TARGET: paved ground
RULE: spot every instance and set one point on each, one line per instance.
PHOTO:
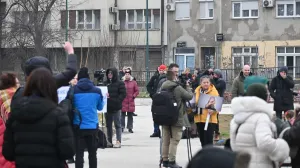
(138, 149)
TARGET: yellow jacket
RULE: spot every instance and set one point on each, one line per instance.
(202, 117)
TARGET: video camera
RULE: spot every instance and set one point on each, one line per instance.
(99, 75)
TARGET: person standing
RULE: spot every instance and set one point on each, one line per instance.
(128, 105)
(152, 88)
(220, 85)
(238, 83)
(116, 95)
(172, 135)
(281, 91)
(87, 100)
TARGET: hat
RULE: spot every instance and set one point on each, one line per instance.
(283, 69)
(258, 90)
(162, 67)
(128, 71)
(34, 63)
(218, 72)
(83, 73)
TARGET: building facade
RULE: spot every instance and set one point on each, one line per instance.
(104, 33)
(231, 33)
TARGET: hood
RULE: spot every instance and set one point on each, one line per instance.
(115, 74)
(34, 63)
(244, 107)
(241, 75)
(168, 84)
(282, 69)
(85, 84)
(31, 109)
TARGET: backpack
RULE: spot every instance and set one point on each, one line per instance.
(68, 105)
(164, 108)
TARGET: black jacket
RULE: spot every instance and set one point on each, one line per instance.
(220, 85)
(292, 137)
(152, 85)
(280, 91)
(38, 134)
(116, 91)
(62, 79)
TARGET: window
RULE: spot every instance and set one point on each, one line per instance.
(245, 56)
(23, 19)
(288, 8)
(206, 9)
(182, 9)
(245, 9)
(82, 19)
(136, 19)
(185, 58)
(290, 57)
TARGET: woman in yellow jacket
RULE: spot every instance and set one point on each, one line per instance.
(206, 136)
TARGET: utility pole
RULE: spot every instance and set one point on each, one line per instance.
(147, 43)
(67, 21)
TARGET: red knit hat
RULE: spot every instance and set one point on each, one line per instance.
(162, 67)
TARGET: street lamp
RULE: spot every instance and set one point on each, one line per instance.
(147, 43)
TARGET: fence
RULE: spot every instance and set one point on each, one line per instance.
(229, 74)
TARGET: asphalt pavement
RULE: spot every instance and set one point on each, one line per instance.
(138, 149)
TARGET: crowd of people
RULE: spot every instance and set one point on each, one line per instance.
(36, 130)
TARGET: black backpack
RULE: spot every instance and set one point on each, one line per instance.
(164, 108)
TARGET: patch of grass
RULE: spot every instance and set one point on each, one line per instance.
(224, 125)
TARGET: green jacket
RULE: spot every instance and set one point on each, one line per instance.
(238, 85)
(181, 96)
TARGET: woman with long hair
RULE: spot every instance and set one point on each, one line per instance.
(38, 132)
(8, 86)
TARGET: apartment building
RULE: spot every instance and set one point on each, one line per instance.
(105, 33)
(231, 33)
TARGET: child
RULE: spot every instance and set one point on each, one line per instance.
(290, 117)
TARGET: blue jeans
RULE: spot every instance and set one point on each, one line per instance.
(156, 128)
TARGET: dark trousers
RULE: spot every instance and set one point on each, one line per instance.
(156, 128)
(129, 120)
(89, 139)
(217, 131)
(206, 136)
(279, 114)
(113, 117)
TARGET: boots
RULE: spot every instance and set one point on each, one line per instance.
(165, 164)
(174, 165)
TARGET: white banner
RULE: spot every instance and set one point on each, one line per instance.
(62, 93)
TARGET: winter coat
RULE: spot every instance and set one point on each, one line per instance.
(204, 112)
(252, 131)
(292, 137)
(5, 99)
(220, 85)
(181, 96)
(116, 91)
(38, 134)
(152, 85)
(62, 79)
(132, 91)
(87, 100)
(238, 85)
(281, 91)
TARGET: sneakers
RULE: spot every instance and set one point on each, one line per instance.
(117, 145)
(130, 130)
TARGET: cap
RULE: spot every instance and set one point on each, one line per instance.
(162, 67)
